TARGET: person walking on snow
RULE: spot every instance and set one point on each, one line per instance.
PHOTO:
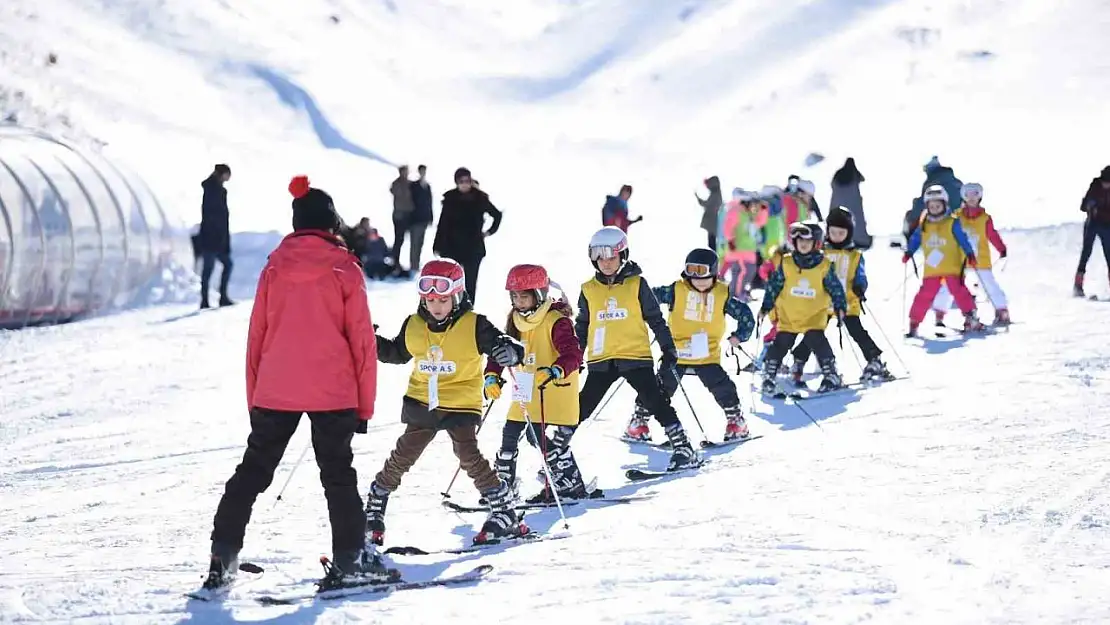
(711, 208)
(846, 193)
(214, 238)
(800, 292)
(615, 309)
(1096, 204)
(402, 215)
(848, 262)
(941, 237)
(310, 306)
(615, 211)
(979, 227)
(421, 215)
(461, 234)
(448, 340)
(545, 384)
(698, 305)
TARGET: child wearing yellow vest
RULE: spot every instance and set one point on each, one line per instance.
(699, 304)
(947, 249)
(545, 383)
(448, 340)
(979, 226)
(801, 291)
(615, 309)
(840, 249)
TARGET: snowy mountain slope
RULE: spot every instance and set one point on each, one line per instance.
(977, 491)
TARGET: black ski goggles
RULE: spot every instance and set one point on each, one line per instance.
(698, 270)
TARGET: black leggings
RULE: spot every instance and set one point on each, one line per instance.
(642, 379)
(866, 344)
(1090, 231)
(815, 339)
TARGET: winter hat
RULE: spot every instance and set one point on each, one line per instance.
(932, 164)
(1105, 177)
(461, 173)
(221, 168)
(312, 208)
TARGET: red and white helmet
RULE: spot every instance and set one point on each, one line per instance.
(971, 190)
(609, 242)
(529, 278)
(935, 192)
(442, 278)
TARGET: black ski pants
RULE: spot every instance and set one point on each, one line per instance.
(208, 266)
(1090, 231)
(854, 324)
(815, 339)
(642, 379)
(470, 268)
(271, 430)
(713, 376)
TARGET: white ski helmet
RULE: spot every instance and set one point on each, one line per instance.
(770, 191)
(608, 242)
(807, 186)
(971, 189)
(935, 192)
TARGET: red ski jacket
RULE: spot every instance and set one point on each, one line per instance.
(311, 344)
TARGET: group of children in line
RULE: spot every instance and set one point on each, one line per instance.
(819, 277)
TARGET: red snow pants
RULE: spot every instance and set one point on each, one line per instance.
(928, 292)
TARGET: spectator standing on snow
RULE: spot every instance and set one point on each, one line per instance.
(402, 215)
(846, 193)
(421, 215)
(1096, 203)
(461, 233)
(711, 209)
(615, 211)
(214, 238)
(310, 348)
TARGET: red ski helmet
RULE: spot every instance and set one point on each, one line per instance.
(529, 278)
(442, 278)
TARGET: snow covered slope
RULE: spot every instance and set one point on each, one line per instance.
(977, 491)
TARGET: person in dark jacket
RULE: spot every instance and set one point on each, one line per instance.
(846, 193)
(711, 209)
(214, 239)
(615, 210)
(421, 215)
(461, 234)
(1096, 204)
(401, 190)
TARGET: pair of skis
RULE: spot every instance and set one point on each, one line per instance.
(640, 475)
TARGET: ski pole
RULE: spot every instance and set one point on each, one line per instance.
(291, 472)
(887, 338)
(704, 438)
(905, 278)
(447, 493)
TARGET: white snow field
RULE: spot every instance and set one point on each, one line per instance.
(975, 491)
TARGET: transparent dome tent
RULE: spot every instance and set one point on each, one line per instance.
(78, 233)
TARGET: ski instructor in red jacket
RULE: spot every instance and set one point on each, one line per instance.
(311, 348)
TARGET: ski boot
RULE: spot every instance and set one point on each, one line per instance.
(376, 501)
(939, 318)
(638, 429)
(568, 478)
(796, 371)
(770, 377)
(1077, 288)
(972, 323)
(505, 465)
(831, 379)
(503, 522)
(735, 426)
(912, 334)
(1001, 318)
(222, 567)
(876, 370)
(683, 454)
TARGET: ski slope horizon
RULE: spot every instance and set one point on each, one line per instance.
(976, 491)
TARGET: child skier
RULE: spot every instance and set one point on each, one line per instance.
(800, 292)
(841, 251)
(447, 339)
(943, 239)
(979, 227)
(742, 232)
(615, 309)
(309, 306)
(546, 382)
(699, 304)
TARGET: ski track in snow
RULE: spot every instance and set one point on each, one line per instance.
(976, 491)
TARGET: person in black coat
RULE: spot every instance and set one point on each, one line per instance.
(461, 233)
(214, 239)
(421, 215)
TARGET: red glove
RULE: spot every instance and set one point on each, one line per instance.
(974, 264)
(906, 258)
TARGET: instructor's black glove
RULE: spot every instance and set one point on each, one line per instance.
(361, 429)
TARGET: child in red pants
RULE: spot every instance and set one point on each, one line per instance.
(942, 239)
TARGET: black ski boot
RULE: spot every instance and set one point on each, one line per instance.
(770, 377)
(568, 478)
(502, 522)
(376, 501)
(831, 380)
(222, 567)
(683, 454)
(876, 370)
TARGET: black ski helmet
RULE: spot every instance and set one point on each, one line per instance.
(700, 256)
(840, 217)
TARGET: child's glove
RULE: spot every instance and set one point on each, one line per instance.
(491, 388)
(971, 262)
(906, 258)
(554, 372)
(507, 352)
(859, 290)
(1002, 254)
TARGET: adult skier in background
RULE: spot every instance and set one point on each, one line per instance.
(310, 305)
(214, 239)
(935, 174)
(545, 384)
(846, 194)
(711, 208)
(448, 340)
(401, 189)
(698, 304)
(461, 234)
(615, 309)
(615, 211)
(1096, 204)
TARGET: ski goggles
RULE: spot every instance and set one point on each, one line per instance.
(439, 285)
(598, 252)
(698, 270)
